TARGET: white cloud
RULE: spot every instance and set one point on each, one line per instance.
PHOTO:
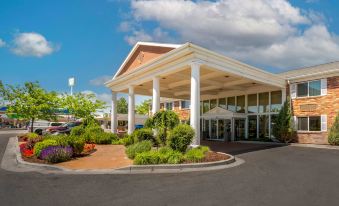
(264, 32)
(2, 43)
(100, 81)
(32, 44)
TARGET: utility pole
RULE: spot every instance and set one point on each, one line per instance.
(71, 83)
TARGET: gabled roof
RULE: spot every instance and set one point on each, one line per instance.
(220, 112)
(317, 70)
(136, 46)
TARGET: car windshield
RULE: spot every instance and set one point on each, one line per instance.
(56, 124)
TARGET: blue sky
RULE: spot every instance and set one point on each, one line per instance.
(89, 39)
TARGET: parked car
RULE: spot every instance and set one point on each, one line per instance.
(39, 126)
(62, 129)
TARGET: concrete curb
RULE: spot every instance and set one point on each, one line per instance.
(264, 143)
(317, 146)
(13, 150)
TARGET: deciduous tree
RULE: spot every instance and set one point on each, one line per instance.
(30, 101)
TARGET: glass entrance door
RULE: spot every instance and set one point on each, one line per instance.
(239, 129)
(224, 129)
(217, 129)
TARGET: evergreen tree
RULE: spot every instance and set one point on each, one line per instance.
(283, 128)
(333, 137)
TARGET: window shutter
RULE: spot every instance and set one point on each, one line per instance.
(324, 122)
(323, 87)
(295, 122)
(293, 91)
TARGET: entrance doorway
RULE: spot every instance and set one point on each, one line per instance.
(217, 129)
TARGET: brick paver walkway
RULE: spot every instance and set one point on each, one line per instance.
(106, 157)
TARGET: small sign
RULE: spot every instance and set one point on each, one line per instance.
(308, 107)
(71, 81)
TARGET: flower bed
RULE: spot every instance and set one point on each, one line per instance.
(59, 148)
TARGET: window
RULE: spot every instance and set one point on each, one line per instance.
(213, 103)
(169, 105)
(315, 88)
(276, 100)
(241, 104)
(206, 106)
(302, 89)
(315, 123)
(222, 103)
(311, 88)
(185, 104)
(231, 104)
(309, 123)
(303, 123)
(252, 103)
(263, 102)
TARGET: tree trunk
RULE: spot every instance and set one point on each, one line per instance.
(32, 124)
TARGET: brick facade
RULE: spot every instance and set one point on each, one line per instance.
(317, 106)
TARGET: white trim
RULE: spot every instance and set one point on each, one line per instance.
(168, 63)
(323, 123)
(323, 87)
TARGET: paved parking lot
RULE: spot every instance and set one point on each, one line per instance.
(270, 176)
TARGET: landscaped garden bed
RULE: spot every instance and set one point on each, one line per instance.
(51, 149)
(162, 141)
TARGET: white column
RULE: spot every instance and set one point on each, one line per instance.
(195, 101)
(283, 95)
(156, 95)
(114, 113)
(131, 108)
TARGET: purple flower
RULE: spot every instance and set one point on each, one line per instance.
(56, 154)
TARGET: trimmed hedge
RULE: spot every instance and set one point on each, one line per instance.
(181, 137)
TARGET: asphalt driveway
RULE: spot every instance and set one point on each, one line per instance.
(270, 176)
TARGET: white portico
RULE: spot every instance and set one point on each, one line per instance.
(186, 72)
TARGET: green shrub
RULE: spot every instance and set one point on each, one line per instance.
(180, 137)
(77, 143)
(196, 154)
(161, 136)
(167, 156)
(333, 136)
(38, 147)
(78, 130)
(147, 158)
(61, 139)
(139, 147)
(32, 135)
(91, 132)
(126, 140)
(103, 138)
(175, 158)
(144, 134)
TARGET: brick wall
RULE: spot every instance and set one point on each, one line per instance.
(328, 104)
